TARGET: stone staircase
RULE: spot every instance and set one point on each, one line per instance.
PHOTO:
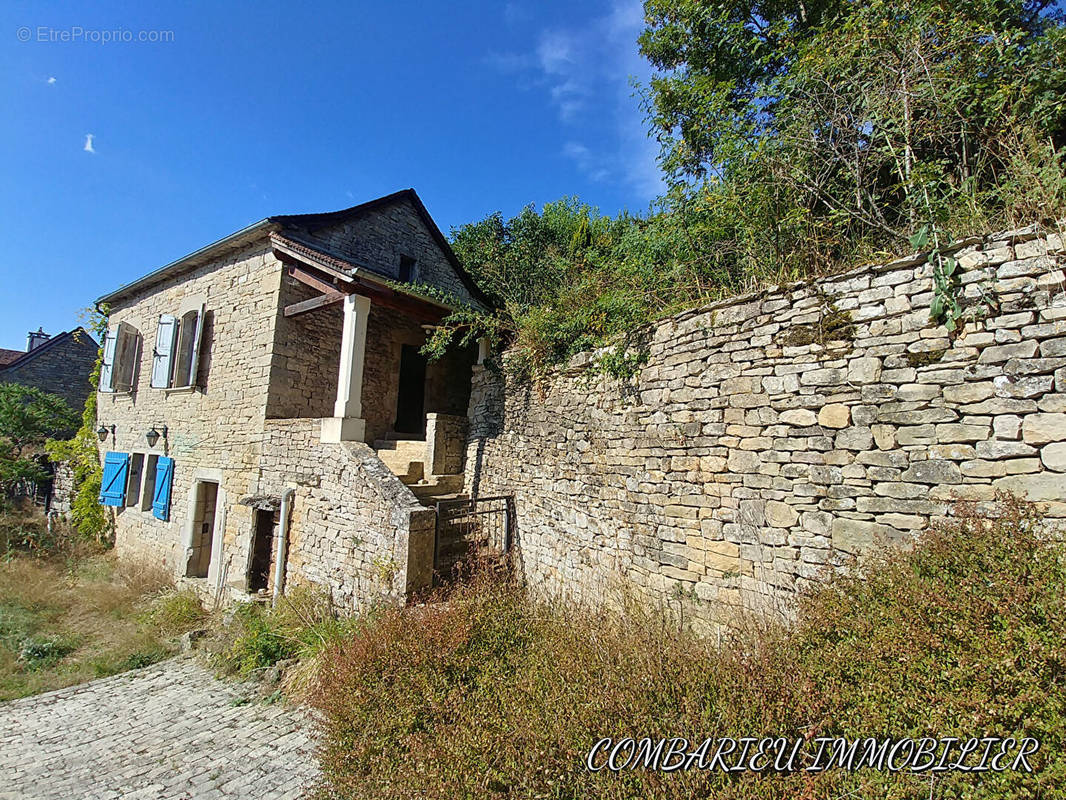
(407, 459)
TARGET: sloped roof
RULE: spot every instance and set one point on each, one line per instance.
(22, 357)
(306, 222)
(7, 356)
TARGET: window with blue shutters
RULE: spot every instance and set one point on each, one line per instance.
(116, 474)
(164, 480)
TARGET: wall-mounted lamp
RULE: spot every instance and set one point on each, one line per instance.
(153, 435)
(102, 432)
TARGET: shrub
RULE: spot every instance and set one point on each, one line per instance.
(93, 521)
(253, 637)
(44, 651)
(173, 612)
(491, 694)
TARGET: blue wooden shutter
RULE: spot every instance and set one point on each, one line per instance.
(113, 485)
(164, 478)
(163, 354)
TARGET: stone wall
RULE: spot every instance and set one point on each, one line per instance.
(214, 432)
(445, 442)
(777, 434)
(306, 359)
(356, 530)
(62, 499)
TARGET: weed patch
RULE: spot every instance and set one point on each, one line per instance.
(489, 693)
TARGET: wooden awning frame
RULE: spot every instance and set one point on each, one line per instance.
(334, 286)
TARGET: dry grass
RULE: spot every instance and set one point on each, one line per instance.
(494, 695)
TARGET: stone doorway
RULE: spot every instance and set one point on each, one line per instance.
(262, 550)
(411, 396)
(203, 531)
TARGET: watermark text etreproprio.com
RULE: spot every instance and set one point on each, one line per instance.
(76, 33)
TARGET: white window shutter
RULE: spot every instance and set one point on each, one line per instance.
(126, 353)
(163, 354)
(197, 343)
(107, 363)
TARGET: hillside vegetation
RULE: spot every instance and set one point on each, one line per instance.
(69, 612)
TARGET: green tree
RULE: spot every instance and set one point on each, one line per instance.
(796, 138)
(28, 418)
(847, 122)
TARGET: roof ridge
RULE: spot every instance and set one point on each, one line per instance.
(308, 221)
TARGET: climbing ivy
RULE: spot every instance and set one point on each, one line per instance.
(90, 519)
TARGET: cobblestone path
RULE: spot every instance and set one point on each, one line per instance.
(168, 731)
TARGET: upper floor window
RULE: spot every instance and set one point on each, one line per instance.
(122, 348)
(407, 269)
(176, 356)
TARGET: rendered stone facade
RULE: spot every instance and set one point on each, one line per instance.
(751, 452)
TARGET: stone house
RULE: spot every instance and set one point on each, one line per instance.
(59, 364)
(267, 415)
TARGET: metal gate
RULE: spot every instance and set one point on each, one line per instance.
(465, 527)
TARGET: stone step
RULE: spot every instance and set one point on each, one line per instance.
(401, 446)
(392, 436)
(405, 457)
(441, 485)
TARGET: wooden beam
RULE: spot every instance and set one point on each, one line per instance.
(405, 304)
(316, 282)
(305, 306)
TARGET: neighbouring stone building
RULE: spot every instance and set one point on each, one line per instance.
(771, 436)
(266, 414)
(59, 364)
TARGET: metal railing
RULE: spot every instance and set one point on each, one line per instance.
(465, 526)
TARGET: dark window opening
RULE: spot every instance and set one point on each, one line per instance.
(407, 269)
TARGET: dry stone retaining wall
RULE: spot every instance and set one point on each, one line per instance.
(774, 435)
(356, 530)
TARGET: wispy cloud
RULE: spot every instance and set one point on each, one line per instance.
(88, 148)
(591, 164)
(586, 74)
(51, 81)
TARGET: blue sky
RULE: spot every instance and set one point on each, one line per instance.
(240, 111)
